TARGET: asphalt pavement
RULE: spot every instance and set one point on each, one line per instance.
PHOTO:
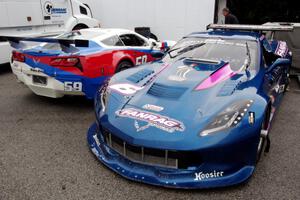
(44, 154)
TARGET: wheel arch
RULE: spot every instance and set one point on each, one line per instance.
(125, 59)
(80, 26)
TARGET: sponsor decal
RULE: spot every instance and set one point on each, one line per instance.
(50, 9)
(181, 74)
(279, 89)
(125, 89)
(262, 37)
(161, 122)
(281, 49)
(202, 176)
(36, 61)
(38, 70)
(153, 108)
(59, 10)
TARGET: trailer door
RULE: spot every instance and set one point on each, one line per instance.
(3, 15)
(20, 13)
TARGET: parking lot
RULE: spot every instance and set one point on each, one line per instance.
(44, 153)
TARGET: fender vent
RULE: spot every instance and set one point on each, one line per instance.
(164, 91)
(140, 75)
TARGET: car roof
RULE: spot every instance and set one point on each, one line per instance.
(106, 32)
(240, 35)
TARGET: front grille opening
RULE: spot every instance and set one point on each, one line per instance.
(154, 157)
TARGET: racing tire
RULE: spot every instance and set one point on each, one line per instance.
(123, 65)
(263, 138)
(288, 81)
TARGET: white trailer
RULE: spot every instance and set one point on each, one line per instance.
(168, 19)
(40, 18)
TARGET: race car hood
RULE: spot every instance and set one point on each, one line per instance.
(169, 106)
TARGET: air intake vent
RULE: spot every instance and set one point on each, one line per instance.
(164, 91)
(229, 88)
(154, 157)
(140, 75)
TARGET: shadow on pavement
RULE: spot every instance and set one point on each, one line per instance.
(73, 102)
(5, 68)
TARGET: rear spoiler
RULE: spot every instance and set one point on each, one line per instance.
(259, 28)
(66, 44)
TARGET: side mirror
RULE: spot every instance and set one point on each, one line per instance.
(279, 62)
(157, 54)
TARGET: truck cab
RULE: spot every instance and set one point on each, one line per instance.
(41, 18)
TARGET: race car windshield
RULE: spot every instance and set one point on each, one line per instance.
(233, 51)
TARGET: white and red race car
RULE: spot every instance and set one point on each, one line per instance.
(77, 63)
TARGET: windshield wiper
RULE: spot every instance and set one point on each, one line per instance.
(190, 48)
(202, 60)
(248, 59)
(185, 50)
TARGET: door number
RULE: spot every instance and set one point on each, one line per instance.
(141, 60)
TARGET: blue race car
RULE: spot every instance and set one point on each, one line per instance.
(200, 117)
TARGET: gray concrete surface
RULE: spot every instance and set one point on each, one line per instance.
(44, 154)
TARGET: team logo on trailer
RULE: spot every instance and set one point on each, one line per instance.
(48, 7)
(161, 122)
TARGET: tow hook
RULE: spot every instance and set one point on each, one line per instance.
(265, 134)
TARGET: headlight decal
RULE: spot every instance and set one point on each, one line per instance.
(101, 98)
(251, 118)
(229, 118)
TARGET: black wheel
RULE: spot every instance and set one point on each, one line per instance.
(263, 136)
(260, 148)
(79, 27)
(286, 87)
(123, 65)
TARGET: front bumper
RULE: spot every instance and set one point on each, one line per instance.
(205, 176)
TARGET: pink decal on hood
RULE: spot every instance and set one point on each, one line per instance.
(222, 74)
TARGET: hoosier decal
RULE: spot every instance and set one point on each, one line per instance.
(201, 176)
(158, 121)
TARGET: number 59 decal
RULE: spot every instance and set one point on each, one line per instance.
(73, 86)
(141, 60)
